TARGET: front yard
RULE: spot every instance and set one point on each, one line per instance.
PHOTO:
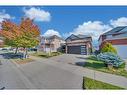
(46, 55)
(23, 61)
(93, 63)
(94, 84)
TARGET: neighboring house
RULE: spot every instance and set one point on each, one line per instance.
(118, 38)
(51, 44)
(1, 42)
(79, 44)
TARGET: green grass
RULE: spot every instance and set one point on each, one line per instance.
(46, 55)
(93, 63)
(23, 61)
(94, 84)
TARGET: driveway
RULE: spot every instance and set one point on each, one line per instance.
(67, 63)
(70, 58)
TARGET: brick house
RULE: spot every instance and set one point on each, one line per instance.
(79, 44)
(118, 38)
(51, 44)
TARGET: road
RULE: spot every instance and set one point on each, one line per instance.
(37, 75)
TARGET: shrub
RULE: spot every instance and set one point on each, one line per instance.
(55, 53)
(96, 52)
(107, 47)
(111, 58)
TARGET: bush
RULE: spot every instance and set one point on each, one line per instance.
(111, 58)
(55, 53)
(96, 52)
(107, 47)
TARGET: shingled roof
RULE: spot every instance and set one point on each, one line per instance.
(76, 37)
(52, 37)
(120, 29)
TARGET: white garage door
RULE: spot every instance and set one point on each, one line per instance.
(121, 50)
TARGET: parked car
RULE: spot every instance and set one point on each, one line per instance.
(4, 49)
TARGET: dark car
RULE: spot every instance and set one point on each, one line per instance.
(4, 49)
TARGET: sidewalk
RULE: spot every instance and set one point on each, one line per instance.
(101, 76)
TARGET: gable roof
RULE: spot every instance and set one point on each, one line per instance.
(117, 30)
(76, 37)
(120, 29)
(52, 37)
(55, 36)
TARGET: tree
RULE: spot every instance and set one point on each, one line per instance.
(107, 47)
(24, 35)
(10, 31)
(30, 34)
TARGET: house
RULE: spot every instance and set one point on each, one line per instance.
(51, 44)
(118, 38)
(79, 44)
(1, 42)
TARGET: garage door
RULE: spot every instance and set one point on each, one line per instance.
(121, 50)
(77, 50)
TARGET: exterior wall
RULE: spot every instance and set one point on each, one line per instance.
(121, 50)
(124, 35)
(1, 43)
(101, 39)
(115, 42)
(118, 41)
(109, 37)
(78, 41)
(113, 37)
(49, 48)
(52, 45)
(57, 44)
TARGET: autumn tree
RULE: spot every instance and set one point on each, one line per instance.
(24, 35)
(107, 47)
(30, 34)
(10, 31)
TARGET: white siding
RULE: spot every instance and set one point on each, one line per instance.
(109, 37)
(121, 50)
(121, 36)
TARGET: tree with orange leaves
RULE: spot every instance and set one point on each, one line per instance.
(23, 35)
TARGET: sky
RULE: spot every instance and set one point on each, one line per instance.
(66, 20)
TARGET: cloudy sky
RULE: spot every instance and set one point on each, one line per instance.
(66, 20)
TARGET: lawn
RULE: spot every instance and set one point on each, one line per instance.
(94, 84)
(23, 61)
(46, 55)
(93, 63)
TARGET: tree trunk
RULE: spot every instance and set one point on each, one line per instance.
(26, 53)
(16, 50)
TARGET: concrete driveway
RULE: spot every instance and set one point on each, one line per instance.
(70, 59)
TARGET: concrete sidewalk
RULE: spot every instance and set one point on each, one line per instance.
(81, 71)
